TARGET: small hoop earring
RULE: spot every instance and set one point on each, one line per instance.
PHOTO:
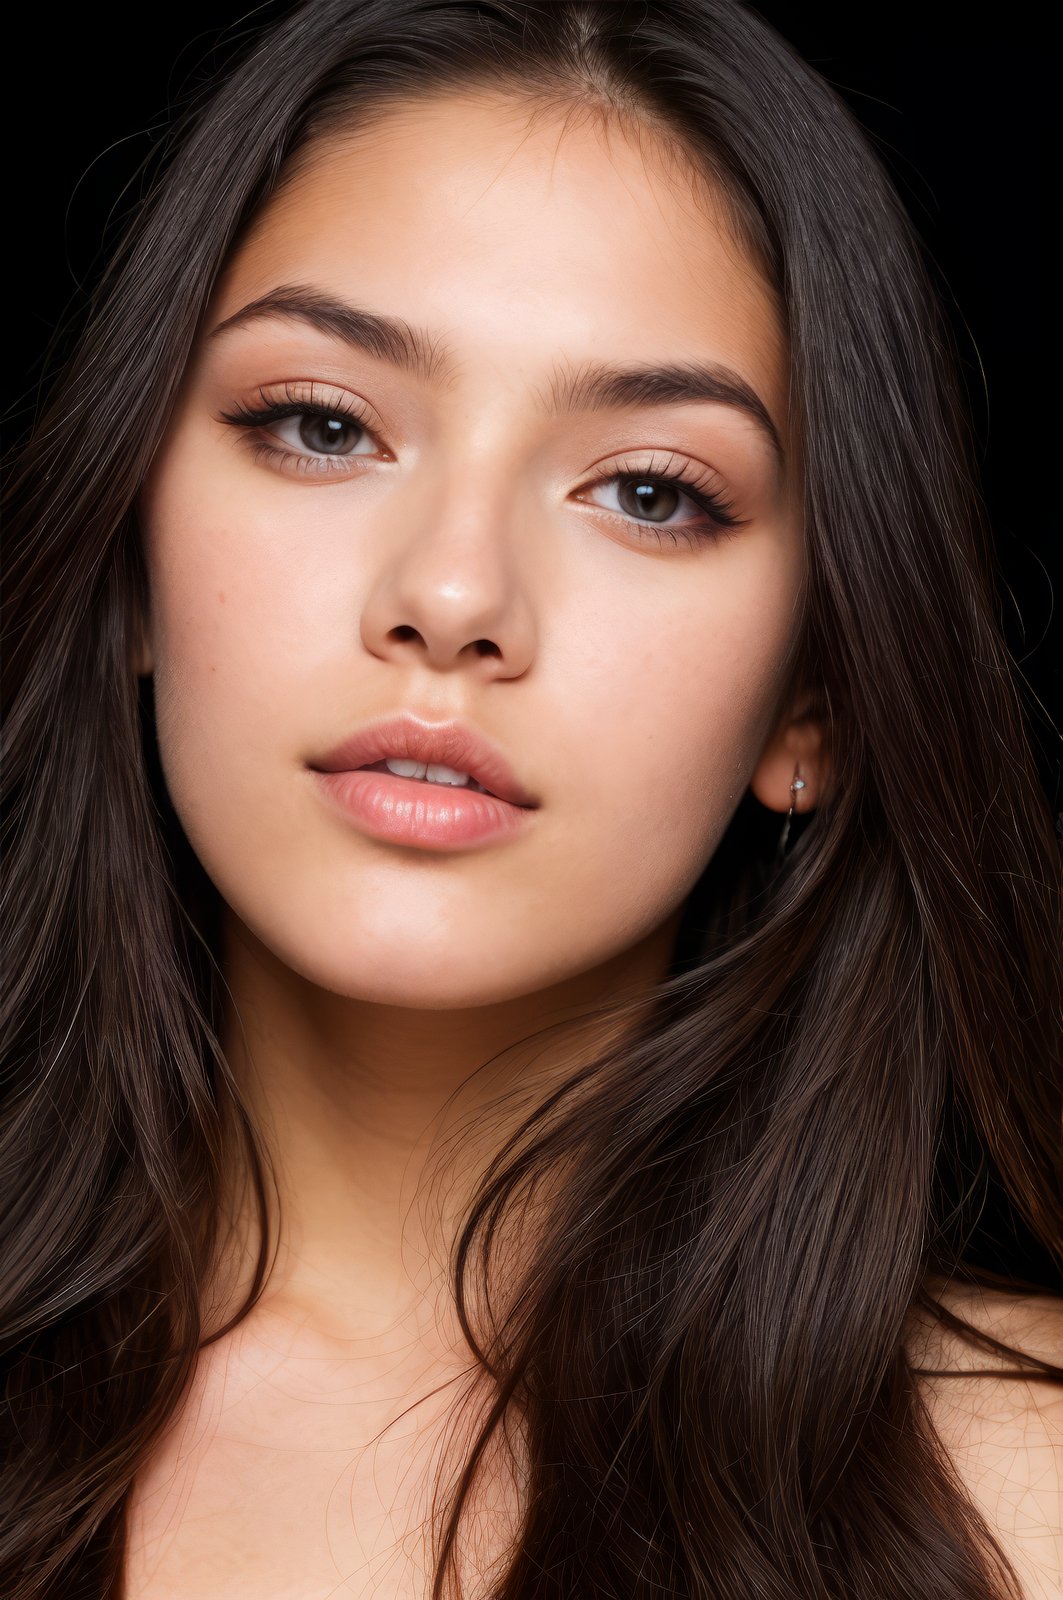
(796, 785)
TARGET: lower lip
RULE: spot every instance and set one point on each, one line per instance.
(427, 815)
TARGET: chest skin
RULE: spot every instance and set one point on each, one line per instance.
(299, 1478)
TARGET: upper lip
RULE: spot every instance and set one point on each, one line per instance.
(451, 744)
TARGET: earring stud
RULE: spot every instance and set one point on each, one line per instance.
(797, 783)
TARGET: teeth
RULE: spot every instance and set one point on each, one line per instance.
(434, 771)
(405, 769)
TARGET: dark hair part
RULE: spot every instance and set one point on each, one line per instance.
(754, 1184)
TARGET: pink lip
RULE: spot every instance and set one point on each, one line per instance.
(406, 811)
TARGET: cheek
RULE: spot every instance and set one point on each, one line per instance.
(231, 629)
(678, 687)
(237, 597)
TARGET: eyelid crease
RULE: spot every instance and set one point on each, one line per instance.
(347, 405)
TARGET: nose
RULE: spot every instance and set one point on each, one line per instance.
(453, 591)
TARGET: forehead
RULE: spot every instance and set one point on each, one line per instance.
(515, 238)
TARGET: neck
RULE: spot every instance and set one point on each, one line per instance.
(380, 1120)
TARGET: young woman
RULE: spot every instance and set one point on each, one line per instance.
(563, 1190)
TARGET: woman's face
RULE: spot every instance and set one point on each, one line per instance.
(455, 542)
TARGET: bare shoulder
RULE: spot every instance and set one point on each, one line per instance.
(1003, 1434)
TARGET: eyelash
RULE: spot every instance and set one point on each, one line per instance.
(719, 522)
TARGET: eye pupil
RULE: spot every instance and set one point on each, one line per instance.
(324, 433)
(645, 495)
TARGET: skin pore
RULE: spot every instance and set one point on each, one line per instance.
(636, 674)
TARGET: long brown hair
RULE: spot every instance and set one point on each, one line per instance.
(754, 1184)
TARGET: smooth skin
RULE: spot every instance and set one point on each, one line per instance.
(636, 674)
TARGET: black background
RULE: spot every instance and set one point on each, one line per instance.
(960, 110)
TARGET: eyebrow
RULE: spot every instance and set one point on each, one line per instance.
(590, 387)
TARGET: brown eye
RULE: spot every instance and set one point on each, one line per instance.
(649, 500)
(654, 500)
(309, 435)
(324, 433)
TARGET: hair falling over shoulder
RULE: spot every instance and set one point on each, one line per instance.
(706, 1349)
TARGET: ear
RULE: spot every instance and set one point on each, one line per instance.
(797, 747)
